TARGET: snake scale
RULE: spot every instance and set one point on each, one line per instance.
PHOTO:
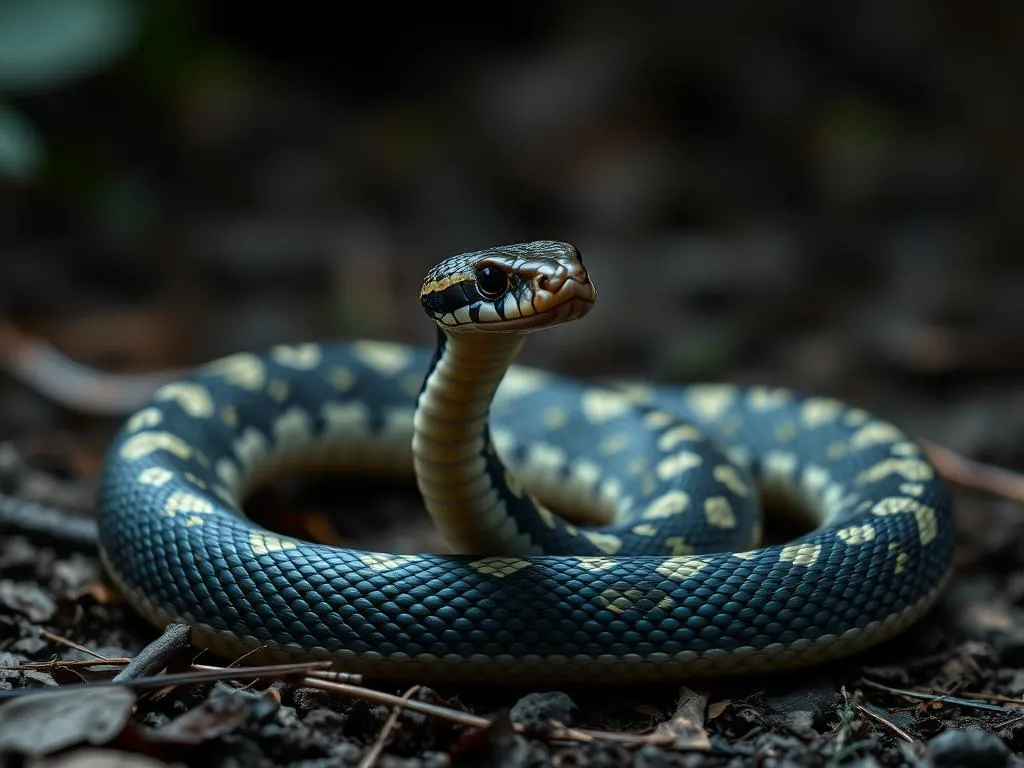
(649, 570)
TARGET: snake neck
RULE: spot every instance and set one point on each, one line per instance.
(460, 478)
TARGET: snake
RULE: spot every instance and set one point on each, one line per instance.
(597, 531)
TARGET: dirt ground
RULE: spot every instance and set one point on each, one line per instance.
(774, 193)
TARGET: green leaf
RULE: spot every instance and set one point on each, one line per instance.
(48, 43)
(21, 151)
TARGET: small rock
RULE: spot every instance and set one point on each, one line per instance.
(535, 711)
(979, 749)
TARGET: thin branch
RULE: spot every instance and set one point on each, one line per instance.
(72, 644)
(887, 723)
(373, 753)
(975, 475)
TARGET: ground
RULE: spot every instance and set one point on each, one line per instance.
(784, 196)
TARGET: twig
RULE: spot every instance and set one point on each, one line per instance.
(975, 475)
(72, 644)
(373, 753)
(42, 367)
(887, 723)
(934, 697)
(188, 678)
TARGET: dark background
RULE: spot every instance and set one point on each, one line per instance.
(817, 195)
(828, 196)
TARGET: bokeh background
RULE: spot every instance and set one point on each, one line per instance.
(828, 196)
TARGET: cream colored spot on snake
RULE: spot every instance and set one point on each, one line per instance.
(800, 554)
(905, 448)
(545, 458)
(144, 443)
(677, 464)
(277, 390)
(227, 472)
(384, 357)
(385, 561)
(155, 476)
(924, 516)
(503, 440)
(193, 520)
(611, 489)
(585, 474)
(739, 454)
(612, 444)
(786, 431)
(522, 381)
(555, 418)
(605, 542)
(875, 433)
(681, 433)
(250, 447)
(229, 415)
(681, 568)
(912, 489)
(655, 420)
(751, 555)
(293, 429)
(342, 378)
(644, 529)
(499, 567)
(196, 481)
(767, 398)
(902, 558)
(513, 484)
(619, 602)
(672, 503)
(144, 419)
(594, 563)
(718, 512)
(730, 478)
(857, 534)
(818, 411)
(636, 392)
(855, 417)
(301, 357)
(600, 405)
(815, 479)
(710, 401)
(345, 419)
(243, 370)
(780, 464)
(677, 545)
(914, 470)
(183, 502)
(263, 542)
(546, 516)
(194, 399)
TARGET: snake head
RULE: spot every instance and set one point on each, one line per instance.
(509, 289)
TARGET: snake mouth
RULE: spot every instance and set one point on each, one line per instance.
(545, 304)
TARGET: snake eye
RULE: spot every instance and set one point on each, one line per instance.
(491, 282)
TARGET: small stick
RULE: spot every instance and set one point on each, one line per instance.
(373, 753)
(975, 475)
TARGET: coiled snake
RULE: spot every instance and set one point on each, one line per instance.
(654, 573)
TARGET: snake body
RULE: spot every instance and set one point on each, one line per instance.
(653, 574)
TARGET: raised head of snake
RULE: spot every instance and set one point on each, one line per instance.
(484, 303)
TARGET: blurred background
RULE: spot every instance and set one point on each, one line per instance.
(828, 196)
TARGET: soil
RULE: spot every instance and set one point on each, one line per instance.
(827, 200)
